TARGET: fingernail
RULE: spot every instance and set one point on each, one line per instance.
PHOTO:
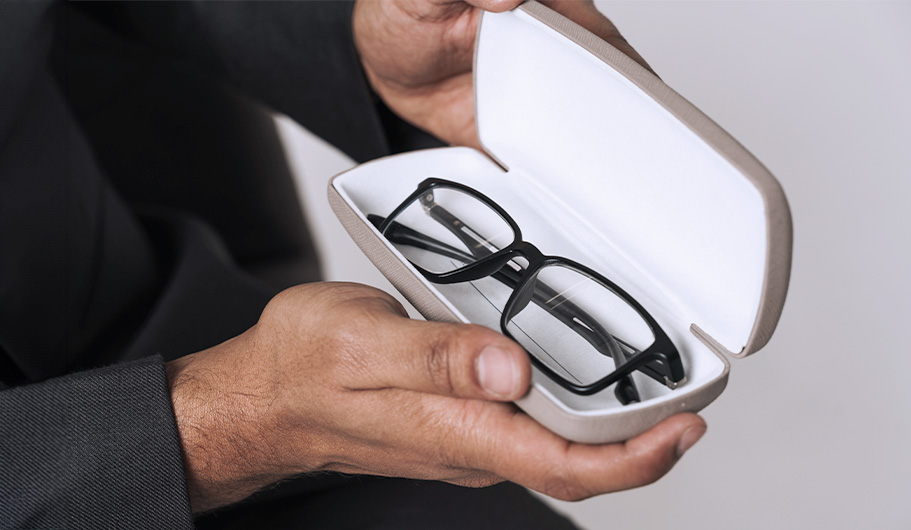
(497, 372)
(689, 439)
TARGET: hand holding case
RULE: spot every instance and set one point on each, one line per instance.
(599, 161)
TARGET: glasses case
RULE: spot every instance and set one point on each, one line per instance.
(599, 161)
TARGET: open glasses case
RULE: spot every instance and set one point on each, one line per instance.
(597, 160)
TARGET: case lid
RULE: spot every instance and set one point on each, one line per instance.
(633, 159)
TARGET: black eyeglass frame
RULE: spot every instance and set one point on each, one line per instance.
(661, 360)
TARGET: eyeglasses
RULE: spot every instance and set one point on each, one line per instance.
(455, 235)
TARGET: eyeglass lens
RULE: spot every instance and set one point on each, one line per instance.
(563, 297)
(446, 229)
(464, 230)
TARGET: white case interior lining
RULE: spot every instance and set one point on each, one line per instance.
(542, 221)
(583, 135)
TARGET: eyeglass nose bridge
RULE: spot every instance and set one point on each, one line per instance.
(529, 252)
(493, 263)
(524, 290)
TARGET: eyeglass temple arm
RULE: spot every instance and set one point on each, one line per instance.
(404, 235)
(477, 244)
(636, 362)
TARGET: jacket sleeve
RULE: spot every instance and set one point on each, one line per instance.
(73, 447)
(107, 437)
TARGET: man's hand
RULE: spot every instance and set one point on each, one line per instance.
(336, 377)
(418, 56)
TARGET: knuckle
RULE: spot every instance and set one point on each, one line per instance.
(344, 341)
(444, 361)
(372, 298)
(439, 367)
(459, 443)
(450, 362)
(346, 348)
(564, 489)
(566, 483)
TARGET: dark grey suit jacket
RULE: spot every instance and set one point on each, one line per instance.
(146, 213)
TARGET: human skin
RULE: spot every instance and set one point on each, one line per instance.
(336, 377)
(418, 56)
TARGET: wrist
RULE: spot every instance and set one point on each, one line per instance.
(222, 434)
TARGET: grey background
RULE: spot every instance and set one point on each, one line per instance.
(814, 431)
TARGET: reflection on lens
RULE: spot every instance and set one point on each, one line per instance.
(567, 321)
(446, 229)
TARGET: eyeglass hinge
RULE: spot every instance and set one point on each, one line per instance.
(673, 384)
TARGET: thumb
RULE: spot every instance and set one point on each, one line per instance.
(458, 360)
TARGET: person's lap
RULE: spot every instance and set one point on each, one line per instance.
(334, 501)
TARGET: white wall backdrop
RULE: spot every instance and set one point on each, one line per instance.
(815, 430)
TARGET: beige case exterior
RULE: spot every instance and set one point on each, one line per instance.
(609, 425)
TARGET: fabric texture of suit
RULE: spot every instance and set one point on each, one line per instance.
(146, 213)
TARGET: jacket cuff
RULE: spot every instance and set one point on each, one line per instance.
(93, 449)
